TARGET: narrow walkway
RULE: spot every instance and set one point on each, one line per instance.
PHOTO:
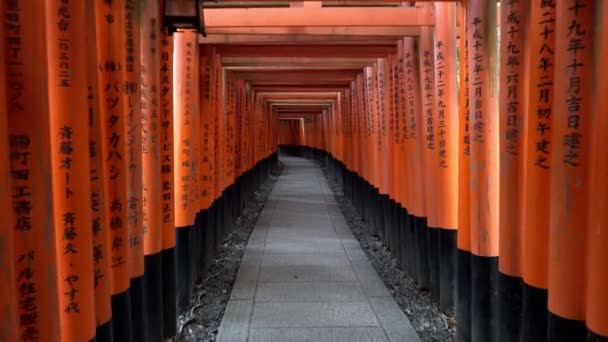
(304, 276)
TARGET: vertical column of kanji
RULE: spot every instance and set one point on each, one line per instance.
(230, 147)
(513, 102)
(537, 171)
(184, 44)
(151, 169)
(67, 91)
(416, 146)
(205, 185)
(371, 146)
(220, 85)
(383, 150)
(570, 166)
(167, 193)
(392, 129)
(389, 149)
(430, 155)
(483, 97)
(402, 176)
(8, 289)
(30, 168)
(597, 237)
(192, 81)
(446, 134)
(463, 295)
(132, 107)
(102, 272)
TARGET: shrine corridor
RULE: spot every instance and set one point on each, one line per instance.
(304, 276)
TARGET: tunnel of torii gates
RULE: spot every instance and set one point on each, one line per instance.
(471, 134)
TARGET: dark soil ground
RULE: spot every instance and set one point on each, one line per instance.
(211, 295)
(422, 310)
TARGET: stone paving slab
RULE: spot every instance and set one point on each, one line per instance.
(316, 314)
(330, 334)
(304, 276)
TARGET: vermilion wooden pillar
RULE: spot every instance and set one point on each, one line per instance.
(8, 302)
(463, 296)
(429, 141)
(30, 167)
(483, 105)
(570, 166)
(167, 185)
(67, 93)
(184, 75)
(102, 271)
(537, 170)
(445, 128)
(513, 104)
(597, 237)
(109, 43)
(151, 169)
(132, 96)
(415, 162)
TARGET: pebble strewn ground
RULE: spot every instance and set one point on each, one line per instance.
(422, 310)
(211, 295)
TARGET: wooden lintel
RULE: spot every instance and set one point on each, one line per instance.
(316, 16)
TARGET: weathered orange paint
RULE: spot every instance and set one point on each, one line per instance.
(184, 76)
(571, 159)
(30, 166)
(109, 49)
(151, 129)
(513, 104)
(483, 101)
(464, 141)
(597, 237)
(67, 92)
(446, 121)
(102, 271)
(166, 141)
(8, 301)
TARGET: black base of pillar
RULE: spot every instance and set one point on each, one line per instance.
(104, 332)
(138, 309)
(484, 279)
(169, 293)
(448, 255)
(463, 297)
(121, 316)
(561, 329)
(534, 314)
(183, 268)
(153, 294)
(509, 300)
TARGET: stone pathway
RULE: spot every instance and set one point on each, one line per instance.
(304, 276)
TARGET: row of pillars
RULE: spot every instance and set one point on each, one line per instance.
(493, 140)
(115, 139)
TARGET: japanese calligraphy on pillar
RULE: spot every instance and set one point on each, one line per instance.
(109, 57)
(29, 167)
(512, 62)
(440, 79)
(101, 248)
(8, 284)
(166, 139)
(577, 37)
(427, 92)
(150, 130)
(477, 67)
(543, 85)
(411, 93)
(131, 90)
